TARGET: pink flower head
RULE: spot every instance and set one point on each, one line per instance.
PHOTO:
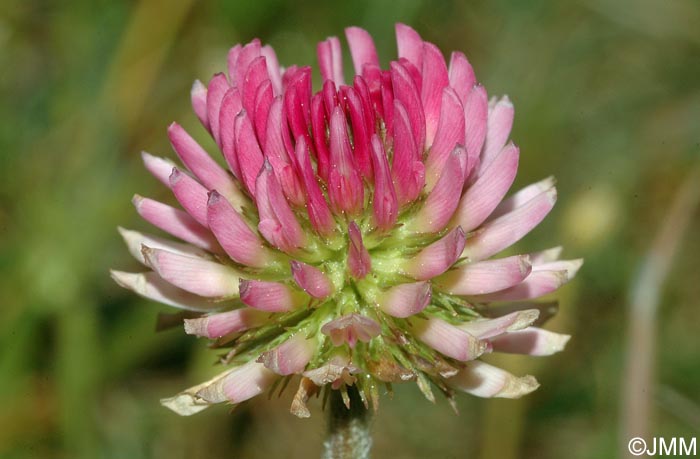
(349, 238)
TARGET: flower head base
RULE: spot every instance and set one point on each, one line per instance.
(349, 240)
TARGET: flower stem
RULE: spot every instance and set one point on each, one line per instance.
(348, 429)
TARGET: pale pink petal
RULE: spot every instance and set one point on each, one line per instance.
(337, 368)
(200, 276)
(385, 206)
(362, 48)
(489, 328)
(438, 208)
(198, 96)
(570, 267)
(437, 257)
(448, 339)
(484, 195)
(186, 403)
(190, 194)
(311, 279)
(290, 357)
(522, 196)
(435, 80)
(484, 380)
(239, 385)
(359, 261)
(450, 133)
(270, 296)
(476, 109)
(135, 240)
(216, 90)
(410, 44)
(175, 222)
(232, 60)
(485, 276)
(500, 122)
(217, 325)
(530, 341)
(545, 256)
(537, 284)
(351, 328)
(508, 229)
(461, 73)
(405, 300)
(239, 241)
(151, 286)
(160, 168)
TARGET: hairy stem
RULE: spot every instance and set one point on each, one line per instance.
(348, 429)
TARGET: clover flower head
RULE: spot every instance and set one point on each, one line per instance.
(348, 240)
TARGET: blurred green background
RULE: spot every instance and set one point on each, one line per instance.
(607, 97)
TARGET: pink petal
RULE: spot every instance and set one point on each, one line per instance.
(450, 133)
(160, 168)
(530, 341)
(135, 240)
(318, 126)
(435, 79)
(240, 384)
(345, 188)
(448, 339)
(362, 48)
(198, 96)
(190, 194)
(537, 284)
(407, 169)
(175, 222)
(273, 68)
(350, 328)
(277, 221)
(437, 257)
(385, 205)
(330, 60)
(476, 109)
(221, 324)
(255, 76)
(522, 196)
(311, 279)
(250, 157)
(207, 171)
(484, 380)
(359, 261)
(485, 276)
(405, 300)
(231, 61)
(151, 286)
(461, 73)
(216, 90)
(508, 229)
(239, 241)
(231, 106)
(264, 99)
(245, 57)
(410, 44)
(290, 357)
(406, 92)
(319, 214)
(500, 122)
(270, 296)
(441, 203)
(484, 195)
(360, 135)
(489, 328)
(196, 275)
